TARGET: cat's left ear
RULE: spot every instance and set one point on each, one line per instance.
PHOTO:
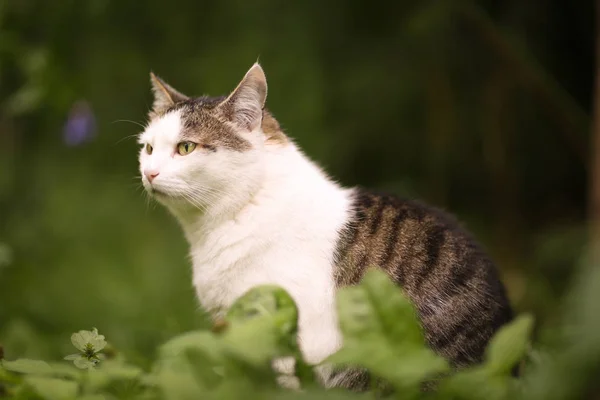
(244, 106)
(164, 95)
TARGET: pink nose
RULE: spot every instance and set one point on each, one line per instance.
(150, 174)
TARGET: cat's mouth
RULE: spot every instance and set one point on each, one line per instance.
(162, 195)
(158, 193)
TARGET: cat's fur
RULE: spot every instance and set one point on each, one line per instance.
(256, 210)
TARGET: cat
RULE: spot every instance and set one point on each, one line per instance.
(255, 210)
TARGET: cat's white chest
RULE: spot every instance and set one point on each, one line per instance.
(218, 282)
(228, 265)
(223, 269)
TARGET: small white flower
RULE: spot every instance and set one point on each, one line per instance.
(89, 343)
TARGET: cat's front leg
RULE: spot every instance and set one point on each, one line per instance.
(309, 281)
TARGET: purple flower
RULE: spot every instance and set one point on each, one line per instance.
(81, 125)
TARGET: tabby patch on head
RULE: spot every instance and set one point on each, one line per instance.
(214, 121)
(196, 147)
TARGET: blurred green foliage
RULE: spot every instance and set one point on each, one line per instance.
(475, 106)
(261, 326)
(236, 361)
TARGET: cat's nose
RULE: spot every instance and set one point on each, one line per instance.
(151, 174)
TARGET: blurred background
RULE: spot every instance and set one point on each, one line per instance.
(480, 107)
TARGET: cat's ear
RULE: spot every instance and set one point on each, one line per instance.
(245, 104)
(164, 95)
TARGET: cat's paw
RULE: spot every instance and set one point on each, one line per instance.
(284, 365)
(285, 369)
(288, 382)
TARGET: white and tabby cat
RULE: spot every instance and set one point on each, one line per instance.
(255, 210)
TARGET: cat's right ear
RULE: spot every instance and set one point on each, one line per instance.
(245, 104)
(164, 95)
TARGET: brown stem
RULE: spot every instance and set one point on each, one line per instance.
(594, 175)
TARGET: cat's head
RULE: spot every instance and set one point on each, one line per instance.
(197, 152)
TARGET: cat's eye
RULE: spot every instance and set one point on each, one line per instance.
(185, 148)
(148, 148)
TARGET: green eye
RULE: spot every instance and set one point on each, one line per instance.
(148, 148)
(185, 148)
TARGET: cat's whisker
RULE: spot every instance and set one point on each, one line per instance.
(194, 202)
(205, 194)
(198, 197)
(210, 193)
(125, 138)
(146, 198)
(130, 121)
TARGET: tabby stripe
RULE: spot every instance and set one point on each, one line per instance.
(435, 240)
(442, 341)
(378, 215)
(364, 201)
(471, 347)
(467, 324)
(359, 268)
(399, 270)
(393, 239)
(459, 277)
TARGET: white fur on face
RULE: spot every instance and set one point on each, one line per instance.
(203, 180)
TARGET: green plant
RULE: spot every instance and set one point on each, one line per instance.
(380, 329)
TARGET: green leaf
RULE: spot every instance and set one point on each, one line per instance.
(509, 345)
(265, 316)
(382, 333)
(193, 357)
(84, 363)
(26, 366)
(254, 342)
(475, 384)
(269, 302)
(111, 373)
(260, 325)
(9, 377)
(177, 385)
(203, 340)
(41, 368)
(52, 388)
(64, 370)
(118, 370)
(204, 371)
(92, 397)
